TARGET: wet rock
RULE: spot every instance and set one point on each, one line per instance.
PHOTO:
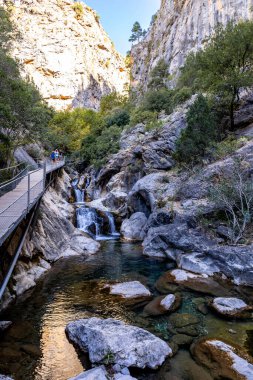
(183, 367)
(31, 349)
(182, 320)
(123, 344)
(178, 236)
(116, 201)
(158, 218)
(134, 228)
(231, 307)
(191, 330)
(99, 373)
(197, 282)
(223, 360)
(132, 289)
(4, 325)
(182, 340)
(162, 305)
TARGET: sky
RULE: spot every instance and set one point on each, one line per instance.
(118, 17)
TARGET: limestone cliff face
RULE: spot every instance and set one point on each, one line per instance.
(182, 26)
(64, 50)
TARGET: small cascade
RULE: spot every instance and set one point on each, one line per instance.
(79, 194)
(89, 221)
(112, 226)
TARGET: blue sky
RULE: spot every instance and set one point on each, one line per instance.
(118, 17)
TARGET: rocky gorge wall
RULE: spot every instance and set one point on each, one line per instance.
(54, 236)
(182, 26)
(163, 205)
(64, 50)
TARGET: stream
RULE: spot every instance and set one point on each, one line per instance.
(36, 347)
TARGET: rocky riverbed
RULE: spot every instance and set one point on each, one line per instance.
(179, 318)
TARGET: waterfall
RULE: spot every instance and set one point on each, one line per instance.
(79, 194)
(89, 221)
(112, 224)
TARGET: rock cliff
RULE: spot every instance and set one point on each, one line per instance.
(166, 206)
(53, 237)
(182, 26)
(64, 50)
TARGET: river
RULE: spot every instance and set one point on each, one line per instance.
(36, 347)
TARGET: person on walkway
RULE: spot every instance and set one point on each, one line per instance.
(53, 156)
(56, 154)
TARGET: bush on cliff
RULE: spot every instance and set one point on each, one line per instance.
(223, 66)
(200, 133)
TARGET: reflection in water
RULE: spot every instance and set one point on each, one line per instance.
(36, 347)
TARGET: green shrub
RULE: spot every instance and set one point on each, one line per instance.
(96, 149)
(159, 76)
(201, 132)
(112, 101)
(158, 100)
(68, 128)
(140, 116)
(78, 9)
(181, 95)
(120, 117)
(226, 147)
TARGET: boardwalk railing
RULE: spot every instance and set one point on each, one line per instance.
(19, 195)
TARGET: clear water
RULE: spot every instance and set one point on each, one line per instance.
(36, 347)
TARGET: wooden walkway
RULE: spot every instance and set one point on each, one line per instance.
(17, 203)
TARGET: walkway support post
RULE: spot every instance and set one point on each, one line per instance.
(28, 193)
(44, 174)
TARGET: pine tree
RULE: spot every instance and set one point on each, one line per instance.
(137, 32)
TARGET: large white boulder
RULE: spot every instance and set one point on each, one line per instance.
(99, 373)
(230, 307)
(132, 289)
(133, 229)
(223, 360)
(113, 340)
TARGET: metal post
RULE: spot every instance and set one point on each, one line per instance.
(44, 174)
(28, 193)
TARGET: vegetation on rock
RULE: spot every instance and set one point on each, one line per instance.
(224, 66)
(24, 117)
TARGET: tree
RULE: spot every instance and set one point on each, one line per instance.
(233, 192)
(200, 132)
(137, 32)
(159, 76)
(224, 66)
(68, 128)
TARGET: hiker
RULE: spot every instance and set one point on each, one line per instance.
(53, 156)
(56, 154)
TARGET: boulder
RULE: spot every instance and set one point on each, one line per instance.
(4, 325)
(182, 320)
(162, 305)
(182, 339)
(134, 228)
(223, 360)
(172, 280)
(99, 373)
(113, 340)
(231, 307)
(132, 289)
(163, 240)
(115, 201)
